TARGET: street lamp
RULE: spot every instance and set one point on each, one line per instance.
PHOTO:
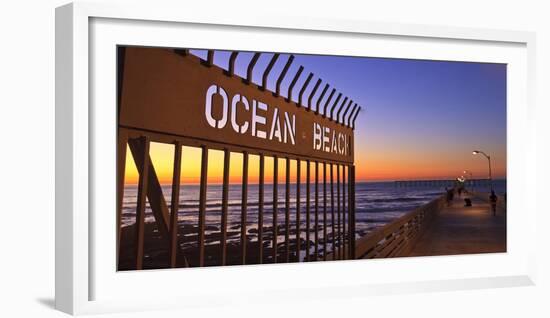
(475, 152)
(471, 177)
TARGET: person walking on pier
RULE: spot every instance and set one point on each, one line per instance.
(449, 196)
(493, 199)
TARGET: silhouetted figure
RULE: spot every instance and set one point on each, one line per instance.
(493, 199)
(449, 196)
(467, 202)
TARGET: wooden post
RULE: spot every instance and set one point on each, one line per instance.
(275, 205)
(287, 211)
(202, 203)
(345, 254)
(141, 203)
(174, 205)
(308, 197)
(244, 207)
(338, 229)
(316, 234)
(333, 223)
(261, 210)
(298, 173)
(225, 199)
(351, 205)
(324, 211)
(121, 172)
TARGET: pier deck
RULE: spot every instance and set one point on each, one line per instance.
(439, 229)
(463, 230)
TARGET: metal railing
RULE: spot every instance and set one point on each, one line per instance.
(337, 184)
(165, 233)
(398, 237)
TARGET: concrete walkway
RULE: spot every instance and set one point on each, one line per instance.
(463, 230)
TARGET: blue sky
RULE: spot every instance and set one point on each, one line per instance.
(420, 119)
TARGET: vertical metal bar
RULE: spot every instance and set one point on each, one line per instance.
(261, 210)
(175, 204)
(244, 207)
(333, 232)
(316, 211)
(294, 80)
(306, 83)
(352, 211)
(338, 229)
(268, 70)
(282, 75)
(231, 66)
(287, 211)
(350, 218)
(275, 205)
(355, 117)
(225, 199)
(250, 68)
(121, 172)
(324, 211)
(339, 110)
(202, 203)
(307, 208)
(345, 254)
(328, 101)
(351, 115)
(320, 99)
(343, 120)
(298, 176)
(334, 105)
(313, 91)
(209, 58)
(141, 202)
(342, 107)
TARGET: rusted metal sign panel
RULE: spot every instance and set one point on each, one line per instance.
(171, 93)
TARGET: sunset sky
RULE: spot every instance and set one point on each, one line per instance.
(420, 119)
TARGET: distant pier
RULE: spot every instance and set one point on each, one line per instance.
(472, 183)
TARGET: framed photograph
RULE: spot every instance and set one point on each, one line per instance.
(296, 158)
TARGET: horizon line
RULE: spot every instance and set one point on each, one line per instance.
(320, 181)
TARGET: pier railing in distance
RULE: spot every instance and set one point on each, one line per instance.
(398, 237)
(501, 201)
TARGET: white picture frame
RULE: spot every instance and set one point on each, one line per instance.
(81, 28)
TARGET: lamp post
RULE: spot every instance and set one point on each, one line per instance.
(471, 176)
(475, 152)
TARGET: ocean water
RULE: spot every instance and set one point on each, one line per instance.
(377, 203)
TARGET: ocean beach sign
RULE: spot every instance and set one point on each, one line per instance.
(257, 125)
(324, 139)
(172, 93)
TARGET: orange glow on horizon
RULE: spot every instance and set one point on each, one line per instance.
(162, 157)
(369, 167)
